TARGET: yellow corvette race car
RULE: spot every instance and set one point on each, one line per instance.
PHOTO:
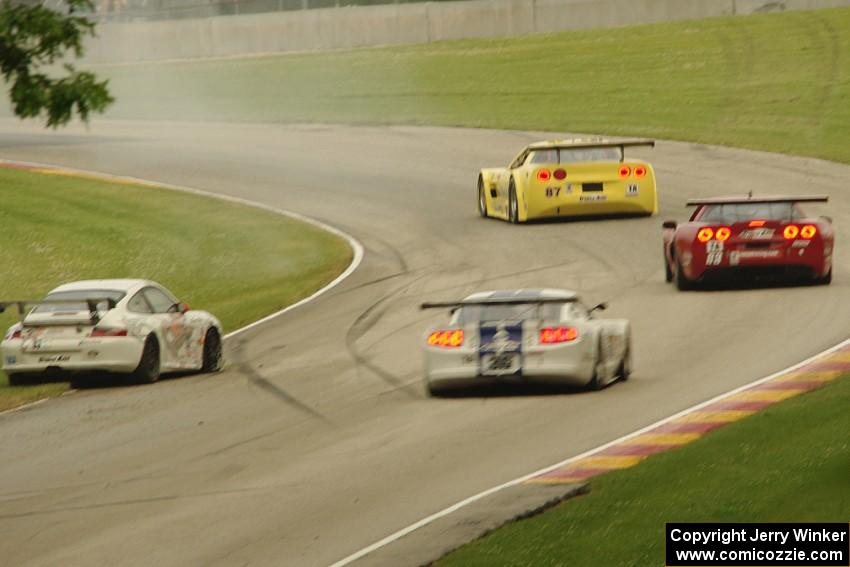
(564, 178)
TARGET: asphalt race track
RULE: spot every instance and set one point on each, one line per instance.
(318, 440)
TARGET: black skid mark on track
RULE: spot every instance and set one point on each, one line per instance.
(243, 367)
(366, 321)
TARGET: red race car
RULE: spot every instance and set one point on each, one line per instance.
(737, 236)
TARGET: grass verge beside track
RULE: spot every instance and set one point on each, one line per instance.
(788, 463)
(776, 82)
(235, 261)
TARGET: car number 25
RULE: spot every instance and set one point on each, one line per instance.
(553, 191)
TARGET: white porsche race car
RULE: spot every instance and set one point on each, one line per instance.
(125, 326)
(526, 335)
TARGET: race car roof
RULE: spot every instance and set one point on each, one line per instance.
(510, 297)
(741, 199)
(114, 284)
(590, 143)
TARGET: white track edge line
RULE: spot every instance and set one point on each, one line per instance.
(356, 247)
(454, 507)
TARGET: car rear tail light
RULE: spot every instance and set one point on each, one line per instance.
(808, 231)
(543, 175)
(625, 170)
(448, 339)
(723, 233)
(108, 332)
(16, 334)
(553, 335)
(705, 234)
(560, 174)
(756, 223)
(640, 171)
(791, 231)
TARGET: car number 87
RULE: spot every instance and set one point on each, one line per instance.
(553, 191)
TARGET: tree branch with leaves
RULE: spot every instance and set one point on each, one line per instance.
(33, 37)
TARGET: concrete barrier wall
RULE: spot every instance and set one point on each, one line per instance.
(396, 24)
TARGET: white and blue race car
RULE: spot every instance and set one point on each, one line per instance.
(526, 335)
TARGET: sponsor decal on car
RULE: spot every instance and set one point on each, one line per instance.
(11, 360)
(593, 198)
(736, 256)
(632, 190)
(55, 358)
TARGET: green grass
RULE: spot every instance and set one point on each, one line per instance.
(235, 261)
(778, 82)
(790, 463)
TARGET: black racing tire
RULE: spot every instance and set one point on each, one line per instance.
(212, 351)
(434, 391)
(668, 273)
(682, 281)
(513, 204)
(19, 379)
(147, 372)
(823, 280)
(482, 199)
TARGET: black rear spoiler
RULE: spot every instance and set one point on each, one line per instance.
(745, 199)
(92, 302)
(507, 301)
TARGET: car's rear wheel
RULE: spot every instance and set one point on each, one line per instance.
(212, 351)
(682, 281)
(513, 205)
(825, 280)
(434, 391)
(482, 199)
(147, 372)
(18, 379)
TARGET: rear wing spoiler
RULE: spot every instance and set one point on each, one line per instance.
(750, 199)
(94, 314)
(509, 301)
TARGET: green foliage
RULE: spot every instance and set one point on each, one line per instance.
(33, 36)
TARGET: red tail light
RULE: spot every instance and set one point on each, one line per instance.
(448, 339)
(552, 335)
(625, 170)
(756, 223)
(108, 332)
(560, 174)
(543, 175)
(705, 234)
(723, 233)
(791, 231)
(16, 334)
(640, 171)
(808, 231)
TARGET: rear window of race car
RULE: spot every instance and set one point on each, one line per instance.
(569, 155)
(490, 313)
(83, 294)
(738, 212)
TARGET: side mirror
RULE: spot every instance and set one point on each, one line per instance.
(827, 219)
(599, 307)
(670, 224)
